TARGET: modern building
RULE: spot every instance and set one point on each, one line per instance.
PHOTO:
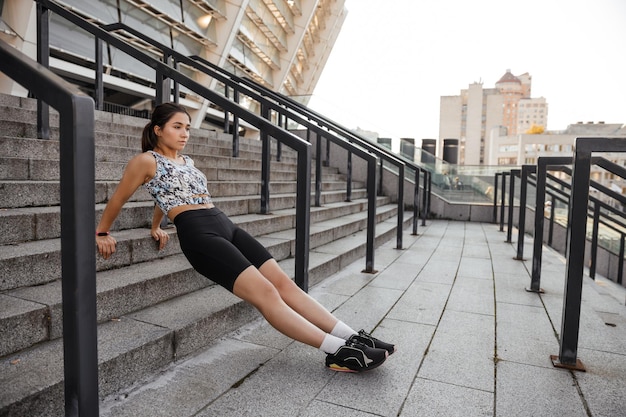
(476, 111)
(525, 148)
(282, 44)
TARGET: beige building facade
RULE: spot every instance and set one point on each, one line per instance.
(476, 111)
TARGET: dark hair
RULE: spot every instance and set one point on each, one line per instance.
(160, 116)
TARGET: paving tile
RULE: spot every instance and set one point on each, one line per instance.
(283, 386)
(397, 276)
(603, 382)
(367, 307)
(437, 399)
(322, 408)
(476, 267)
(462, 351)
(472, 295)
(188, 387)
(423, 302)
(525, 390)
(439, 271)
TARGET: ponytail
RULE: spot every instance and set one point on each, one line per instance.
(160, 116)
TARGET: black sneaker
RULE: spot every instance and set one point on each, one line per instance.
(369, 340)
(355, 357)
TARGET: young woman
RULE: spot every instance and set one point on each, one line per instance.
(223, 252)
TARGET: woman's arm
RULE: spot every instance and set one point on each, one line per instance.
(138, 170)
(157, 233)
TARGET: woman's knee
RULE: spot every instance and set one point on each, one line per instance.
(274, 274)
(254, 288)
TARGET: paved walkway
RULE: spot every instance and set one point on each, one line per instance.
(471, 340)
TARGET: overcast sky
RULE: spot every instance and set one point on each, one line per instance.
(407, 53)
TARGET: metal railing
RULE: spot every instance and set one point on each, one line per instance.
(78, 260)
(165, 74)
(285, 109)
(577, 215)
(579, 210)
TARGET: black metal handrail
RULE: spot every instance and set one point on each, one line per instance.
(165, 73)
(545, 164)
(594, 210)
(575, 251)
(231, 81)
(576, 237)
(78, 260)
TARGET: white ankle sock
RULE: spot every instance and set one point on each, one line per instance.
(331, 343)
(342, 330)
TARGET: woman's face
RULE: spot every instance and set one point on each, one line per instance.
(175, 133)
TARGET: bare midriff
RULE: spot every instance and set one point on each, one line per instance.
(186, 207)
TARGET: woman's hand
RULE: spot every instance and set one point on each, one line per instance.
(106, 245)
(160, 236)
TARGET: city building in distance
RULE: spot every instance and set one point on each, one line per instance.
(471, 116)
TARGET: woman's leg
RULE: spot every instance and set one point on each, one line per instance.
(254, 288)
(298, 300)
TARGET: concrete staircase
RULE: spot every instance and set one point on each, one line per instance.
(153, 308)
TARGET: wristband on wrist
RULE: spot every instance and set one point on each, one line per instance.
(103, 233)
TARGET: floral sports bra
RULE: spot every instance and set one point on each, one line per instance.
(176, 185)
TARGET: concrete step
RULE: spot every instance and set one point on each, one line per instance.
(47, 193)
(209, 154)
(24, 224)
(129, 282)
(49, 170)
(136, 345)
(38, 262)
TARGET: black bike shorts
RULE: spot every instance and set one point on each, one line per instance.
(216, 247)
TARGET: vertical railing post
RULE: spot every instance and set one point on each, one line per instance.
(279, 145)
(575, 253)
(78, 260)
(176, 88)
(416, 201)
(509, 231)
(594, 239)
(371, 215)
(503, 200)
(349, 178)
(400, 216)
(303, 218)
(235, 127)
(521, 230)
(163, 89)
(226, 113)
(620, 265)
(551, 226)
(540, 191)
(495, 197)
(43, 57)
(425, 196)
(318, 167)
(99, 82)
(381, 173)
(265, 164)
(327, 154)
